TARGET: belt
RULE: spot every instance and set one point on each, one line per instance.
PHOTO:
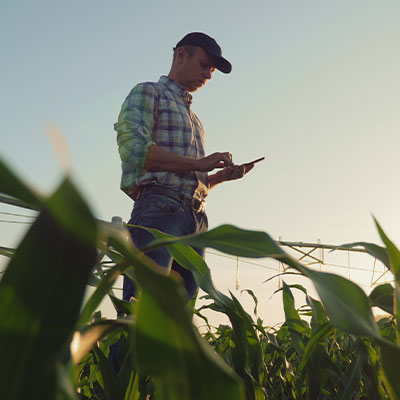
(191, 203)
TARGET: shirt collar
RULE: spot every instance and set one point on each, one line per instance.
(176, 88)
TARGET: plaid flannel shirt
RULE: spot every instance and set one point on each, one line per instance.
(159, 113)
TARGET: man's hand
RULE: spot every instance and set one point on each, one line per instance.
(215, 160)
(229, 173)
(234, 172)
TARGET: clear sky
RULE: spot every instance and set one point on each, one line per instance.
(315, 88)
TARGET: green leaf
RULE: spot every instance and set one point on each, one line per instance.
(85, 339)
(122, 306)
(246, 352)
(132, 392)
(319, 316)
(254, 297)
(346, 304)
(315, 374)
(12, 185)
(382, 297)
(66, 389)
(375, 388)
(352, 375)
(60, 205)
(112, 386)
(41, 294)
(167, 345)
(317, 336)
(392, 251)
(228, 239)
(125, 344)
(390, 355)
(390, 366)
(394, 258)
(7, 252)
(170, 349)
(293, 286)
(101, 291)
(282, 274)
(374, 250)
(244, 336)
(293, 320)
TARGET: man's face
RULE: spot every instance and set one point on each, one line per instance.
(196, 69)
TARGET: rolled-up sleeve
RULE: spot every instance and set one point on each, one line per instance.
(135, 131)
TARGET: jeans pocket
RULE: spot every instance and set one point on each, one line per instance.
(157, 205)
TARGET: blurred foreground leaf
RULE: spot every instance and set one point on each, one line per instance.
(13, 186)
(41, 294)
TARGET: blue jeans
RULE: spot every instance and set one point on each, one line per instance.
(170, 216)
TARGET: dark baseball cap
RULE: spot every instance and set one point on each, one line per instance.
(208, 44)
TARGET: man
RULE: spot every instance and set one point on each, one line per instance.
(161, 144)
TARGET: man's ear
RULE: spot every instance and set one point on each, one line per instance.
(180, 54)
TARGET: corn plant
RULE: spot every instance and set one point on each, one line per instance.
(53, 347)
(307, 358)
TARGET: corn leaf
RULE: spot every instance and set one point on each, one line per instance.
(372, 249)
(227, 239)
(246, 352)
(390, 367)
(319, 316)
(293, 320)
(317, 336)
(101, 291)
(12, 185)
(167, 345)
(346, 304)
(41, 294)
(85, 339)
(382, 297)
(112, 385)
(352, 375)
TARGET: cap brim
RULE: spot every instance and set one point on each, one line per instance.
(223, 65)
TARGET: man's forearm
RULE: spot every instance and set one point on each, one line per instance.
(161, 160)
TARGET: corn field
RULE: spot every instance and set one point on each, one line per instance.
(53, 345)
